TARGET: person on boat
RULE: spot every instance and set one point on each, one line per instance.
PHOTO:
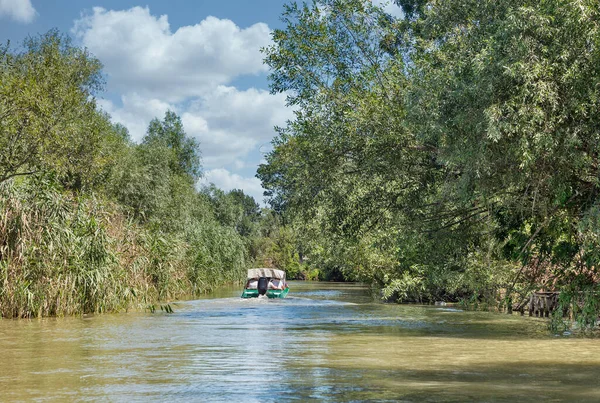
(276, 284)
(252, 284)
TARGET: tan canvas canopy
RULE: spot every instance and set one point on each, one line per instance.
(265, 272)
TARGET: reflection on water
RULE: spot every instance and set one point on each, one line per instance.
(325, 342)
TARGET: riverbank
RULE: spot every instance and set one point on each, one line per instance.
(326, 342)
(62, 254)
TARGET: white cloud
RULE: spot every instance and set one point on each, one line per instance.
(189, 71)
(136, 112)
(229, 123)
(239, 164)
(19, 10)
(142, 55)
(226, 180)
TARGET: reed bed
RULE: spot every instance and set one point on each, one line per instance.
(64, 254)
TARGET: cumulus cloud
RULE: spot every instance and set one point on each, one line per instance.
(19, 10)
(226, 180)
(229, 123)
(189, 71)
(142, 55)
(136, 112)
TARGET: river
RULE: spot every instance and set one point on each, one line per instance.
(325, 342)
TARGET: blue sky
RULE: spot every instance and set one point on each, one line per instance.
(199, 58)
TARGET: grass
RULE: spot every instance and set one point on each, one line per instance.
(63, 254)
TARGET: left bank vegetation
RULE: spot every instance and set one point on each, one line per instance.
(90, 221)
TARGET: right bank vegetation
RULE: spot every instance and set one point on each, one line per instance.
(448, 153)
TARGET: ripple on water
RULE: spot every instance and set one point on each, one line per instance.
(325, 342)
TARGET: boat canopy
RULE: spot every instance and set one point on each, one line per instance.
(265, 272)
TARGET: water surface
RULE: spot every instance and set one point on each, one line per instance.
(325, 342)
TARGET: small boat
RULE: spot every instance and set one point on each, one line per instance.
(269, 282)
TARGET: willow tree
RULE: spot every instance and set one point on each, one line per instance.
(48, 116)
(349, 161)
(183, 152)
(465, 129)
(507, 92)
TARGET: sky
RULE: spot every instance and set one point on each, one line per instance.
(199, 58)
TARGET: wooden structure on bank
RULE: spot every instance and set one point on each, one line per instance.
(539, 304)
(542, 304)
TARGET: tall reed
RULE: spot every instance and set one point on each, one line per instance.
(63, 254)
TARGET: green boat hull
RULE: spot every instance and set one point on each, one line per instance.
(270, 293)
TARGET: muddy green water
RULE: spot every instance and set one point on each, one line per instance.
(325, 342)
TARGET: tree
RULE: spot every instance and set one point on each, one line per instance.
(235, 209)
(48, 117)
(468, 125)
(185, 156)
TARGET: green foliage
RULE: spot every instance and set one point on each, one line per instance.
(182, 153)
(91, 222)
(56, 254)
(217, 256)
(284, 253)
(234, 209)
(48, 117)
(62, 255)
(580, 302)
(406, 288)
(451, 153)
